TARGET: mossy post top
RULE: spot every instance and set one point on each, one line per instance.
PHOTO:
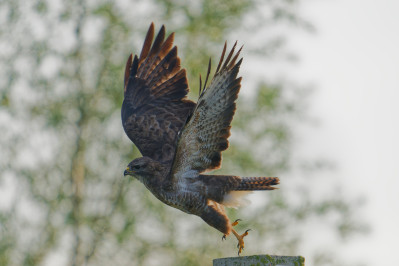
(260, 260)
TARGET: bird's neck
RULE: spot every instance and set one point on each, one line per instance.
(156, 177)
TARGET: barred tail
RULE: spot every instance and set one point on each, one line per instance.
(257, 183)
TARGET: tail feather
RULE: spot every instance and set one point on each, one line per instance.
(257, 183)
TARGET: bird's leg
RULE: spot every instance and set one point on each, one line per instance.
(240, 239)
(233, 224)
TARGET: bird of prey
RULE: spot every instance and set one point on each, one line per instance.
(180, 140)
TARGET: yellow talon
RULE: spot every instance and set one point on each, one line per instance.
(236, 222)
(240, 239)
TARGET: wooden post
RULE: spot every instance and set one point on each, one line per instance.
(261, 260)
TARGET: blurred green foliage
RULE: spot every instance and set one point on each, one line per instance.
(63, 149)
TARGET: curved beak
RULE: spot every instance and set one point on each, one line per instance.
(127, 172)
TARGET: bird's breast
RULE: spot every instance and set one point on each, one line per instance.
(180, 196)
(189, 202)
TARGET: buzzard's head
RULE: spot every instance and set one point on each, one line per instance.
(143, 167)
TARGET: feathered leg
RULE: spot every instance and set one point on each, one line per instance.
(214, 215)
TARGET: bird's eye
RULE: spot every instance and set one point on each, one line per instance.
(136, 167)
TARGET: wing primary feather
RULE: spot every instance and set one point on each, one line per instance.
(237, 66)
(176, 84)
(154, 56)
(207, 74)
(200, 86)
(229, 56)
(167, 67)
(134, 67)
(127, 71)
(147, 43)
(158, 42)
(221, 58)
(202, 89)
(167, 45)
(231, 65)
(133, 72)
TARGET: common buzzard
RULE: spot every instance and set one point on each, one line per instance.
(180, 139)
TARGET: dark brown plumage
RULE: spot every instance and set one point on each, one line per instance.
(180, 140)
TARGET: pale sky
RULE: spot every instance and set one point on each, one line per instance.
(353, 61)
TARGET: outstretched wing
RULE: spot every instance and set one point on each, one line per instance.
(205, 135)
(155, 106)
